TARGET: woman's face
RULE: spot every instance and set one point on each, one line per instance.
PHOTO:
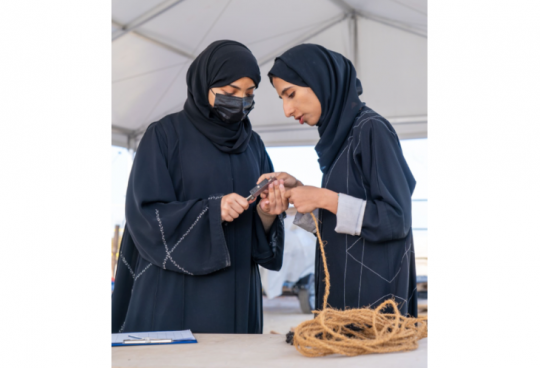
(300, 102)
(242, 87)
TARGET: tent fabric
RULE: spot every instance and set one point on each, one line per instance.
(155, 41)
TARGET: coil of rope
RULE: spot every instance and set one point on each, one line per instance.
(356, 331)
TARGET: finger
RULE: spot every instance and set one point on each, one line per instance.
(266, 176)
(233, 214)
(264, 205)
(236, 207)
(242, 202)
(290, 196)
(228, 199)
(279, 202)
(237, 198)
(284, 201)
(288, 179)
(282, 175)
(271, 198)
(228, 218)
(274, 201)
(262, 177)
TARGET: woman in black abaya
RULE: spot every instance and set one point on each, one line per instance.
(192, 243)
(364, 204)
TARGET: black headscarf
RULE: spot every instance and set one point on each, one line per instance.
(221, 63)
(332, 78)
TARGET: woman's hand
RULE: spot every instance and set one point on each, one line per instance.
(307, 198)
(232, 205)
(275, 202)
(289, 181)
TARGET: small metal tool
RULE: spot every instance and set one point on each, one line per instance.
(257, 190)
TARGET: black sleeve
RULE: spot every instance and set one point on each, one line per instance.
(267, 249)
(185, 237)
(389, 183)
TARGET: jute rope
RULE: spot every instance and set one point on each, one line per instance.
(356, 331)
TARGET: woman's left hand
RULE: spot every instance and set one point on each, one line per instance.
(307, 198)
(276, 201)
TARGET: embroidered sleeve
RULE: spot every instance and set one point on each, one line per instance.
(181, 236)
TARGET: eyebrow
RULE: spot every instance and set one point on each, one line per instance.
(285, 90)
(236, 87)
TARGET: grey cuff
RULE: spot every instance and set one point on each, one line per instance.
(350, 214)
(305, 221)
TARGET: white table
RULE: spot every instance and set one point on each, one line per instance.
(235, 350)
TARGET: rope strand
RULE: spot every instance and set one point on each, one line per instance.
(356, 331)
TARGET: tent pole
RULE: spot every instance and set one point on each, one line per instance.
(176, 50)
(146, 17)
(353, 38)
(388, 22)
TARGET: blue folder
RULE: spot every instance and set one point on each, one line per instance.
(153, 338)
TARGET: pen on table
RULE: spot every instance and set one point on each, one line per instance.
(135, 337)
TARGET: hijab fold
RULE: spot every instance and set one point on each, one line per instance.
(332, 77)
(220, 64)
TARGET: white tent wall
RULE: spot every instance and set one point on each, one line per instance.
(150, 63)
(392, 65)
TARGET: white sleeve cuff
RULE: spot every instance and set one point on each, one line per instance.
(305, 221)
(350, 214)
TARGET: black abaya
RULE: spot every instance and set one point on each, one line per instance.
(369, 249)
(179, 266)
(378, 264)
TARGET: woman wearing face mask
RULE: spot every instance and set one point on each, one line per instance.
(364, 205)
(192, 243)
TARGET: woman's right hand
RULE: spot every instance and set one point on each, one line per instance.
(289, 181)
(232, 205)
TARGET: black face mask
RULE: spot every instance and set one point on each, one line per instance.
(232, 109)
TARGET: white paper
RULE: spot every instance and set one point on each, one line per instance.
(185, 335)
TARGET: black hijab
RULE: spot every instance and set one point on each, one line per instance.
(332, 78)
(221, 63)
